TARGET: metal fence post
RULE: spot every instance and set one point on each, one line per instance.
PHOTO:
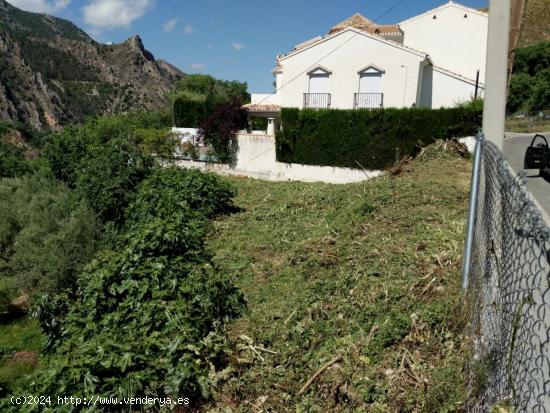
(476, 169)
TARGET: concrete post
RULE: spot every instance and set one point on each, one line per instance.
(271, 126)
(496, 78)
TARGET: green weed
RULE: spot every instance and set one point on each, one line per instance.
(368, 272)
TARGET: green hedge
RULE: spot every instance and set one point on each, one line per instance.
(375, 139)
(190, 109)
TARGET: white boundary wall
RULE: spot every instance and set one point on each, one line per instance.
(256, 159)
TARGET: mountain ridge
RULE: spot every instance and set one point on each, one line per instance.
(53, 73)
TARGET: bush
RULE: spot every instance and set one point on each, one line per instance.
(12, 160)
(371, 139)
(149, 318)
(220, 128)
(64, 153)
(169, 187)
(148, 321)
(108, 177)
(12, 148)
(104, 160)
(45, 236)
(257, 123)
(157, 142)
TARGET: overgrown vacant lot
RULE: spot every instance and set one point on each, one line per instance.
(365, 276)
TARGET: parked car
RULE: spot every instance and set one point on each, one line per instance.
(537, 156)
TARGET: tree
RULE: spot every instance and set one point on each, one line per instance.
(196, 97)
(219, 129)
(521, 85)
(215, 90)
(105, 159)
(109, 176)
(529, 83)
(46, 236)
(540, 99)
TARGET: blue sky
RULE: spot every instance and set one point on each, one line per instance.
(229, 39)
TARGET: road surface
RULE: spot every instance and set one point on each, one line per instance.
(515, 145)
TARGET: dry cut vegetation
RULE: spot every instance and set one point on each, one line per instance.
(354, 301)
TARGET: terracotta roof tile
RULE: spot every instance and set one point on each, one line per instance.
(261, 108)
(384, 30)
(358, 21)
(362, 23)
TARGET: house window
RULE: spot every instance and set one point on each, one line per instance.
(319, 81)
(369, 95)
(318, 94)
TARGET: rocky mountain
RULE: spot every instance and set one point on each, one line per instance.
(52, 73)
(535, 22)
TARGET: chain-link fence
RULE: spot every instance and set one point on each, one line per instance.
(508, 294)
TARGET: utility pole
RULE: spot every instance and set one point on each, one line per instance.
(494, 109)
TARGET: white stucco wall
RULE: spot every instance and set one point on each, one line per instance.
(186, 134)
(265, 98)
(257, 159)
(449, 90)
(345, 54)
(453, 42)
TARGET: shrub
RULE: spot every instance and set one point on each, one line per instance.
(158, 142)
(12, 148)
(108, 177)
(64, 153)
(371, 139)
(220, 128)
(12, 160)
(102, 160)
(169, 187)
(45, 236)
(149, 318)
(257, 123)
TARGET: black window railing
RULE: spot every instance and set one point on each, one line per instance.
(317, 100)
(368, 100)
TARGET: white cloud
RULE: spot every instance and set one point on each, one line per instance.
(197, 66)
(188, 29)
(41, 6)
(170, 25)
(237, 46)
(110, 14)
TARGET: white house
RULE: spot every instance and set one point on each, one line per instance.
(436, 59)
